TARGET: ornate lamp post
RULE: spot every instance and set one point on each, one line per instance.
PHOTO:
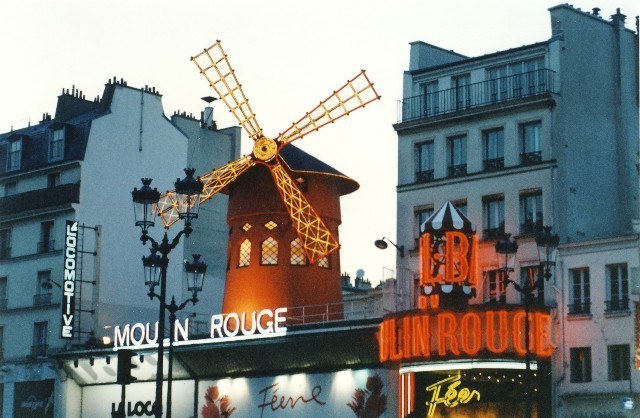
(188, 192)
(506, 250)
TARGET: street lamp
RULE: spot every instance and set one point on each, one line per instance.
(145, 199)
(506, 250)
(381, 244)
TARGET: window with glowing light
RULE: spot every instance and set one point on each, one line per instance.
(580, 359)
(530, 274)
(619, 362)
(270, 225)
(269, 255)
(298, 257)
(324, 263)
(245, 253)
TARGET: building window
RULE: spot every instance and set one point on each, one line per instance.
(14, 158)
(324, 262)
(528, 277)
(618, 359)
(461, 90)
(530, 140)
(493, 149)
(43, 296)
(531, 212)
(420, 216)
(493, 216)
(269, 255)
(461, 205)
(3, 293)
(298, 257)
(498, 84)
(270, 225)
(56, 145)
(53, 180)
(5, 243)
(424, 162)
(617, 287)
(40, 338)
(580, 359)
(245, 253)
(10, 188)
(579, 291)
(46, 244)
(431, 98)
(457, 155)
(495, 285)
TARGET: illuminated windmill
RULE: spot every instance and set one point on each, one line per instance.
(315, 237)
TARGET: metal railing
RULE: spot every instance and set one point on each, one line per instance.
(42, 299)
(46, 246)
(532, 157)
(614, 305)
(476, 95)
(457, 170)
(493, 164)
(330, 312)
(530, 227)
(424, 176)
(5, 253)
(490, 233)
(3, 304)
(41, 198)
(578, 308)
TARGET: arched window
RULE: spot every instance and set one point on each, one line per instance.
(298, 257)
(245, 253)
(324, 263)
(269, 252)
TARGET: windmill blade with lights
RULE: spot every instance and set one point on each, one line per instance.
(314, 235)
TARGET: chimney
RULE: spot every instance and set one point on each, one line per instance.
(207, 121)
(596, 11)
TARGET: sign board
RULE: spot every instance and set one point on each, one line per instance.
(69, 279)
(33, 399)
(344, 394)
(99, 401)
(468, 333)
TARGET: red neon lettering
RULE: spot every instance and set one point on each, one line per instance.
(447, 326)
(394, 353)
(502, 333)
(456, 264)
(542, 325)
(470, 331)
(421, 336)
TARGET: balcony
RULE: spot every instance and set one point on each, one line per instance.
(457, 170)
(46, 246)
(40, 199)
(617, 305)
(493, 233)
(424, 176)
(39, 350)
(3, 304)
(531, 227)
(528, 158)
(5, 252)
(42, 299)
(580, 308)
(493, 164)
(477, 95)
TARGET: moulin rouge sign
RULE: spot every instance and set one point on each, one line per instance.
(448, 260)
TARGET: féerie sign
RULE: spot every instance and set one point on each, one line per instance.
(223, 327)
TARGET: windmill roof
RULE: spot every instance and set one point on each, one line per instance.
(298, 161)
(447, 218)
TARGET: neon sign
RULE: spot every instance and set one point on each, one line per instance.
(224, 327)
(460, 334)
(69, 279)
(453, 396)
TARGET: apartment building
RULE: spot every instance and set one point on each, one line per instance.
(541, 134)
(81, 165)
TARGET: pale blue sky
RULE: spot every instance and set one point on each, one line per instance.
(288, 55)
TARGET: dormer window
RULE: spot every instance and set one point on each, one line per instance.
(56, 144)
(14, 157)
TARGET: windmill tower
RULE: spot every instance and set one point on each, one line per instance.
(284, 208)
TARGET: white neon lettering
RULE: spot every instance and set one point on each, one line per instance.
(178, 328)
(269, 328)
(216, 325)
(243, 318)
(121, 339)
(233, 331)
(280, 318)
(132, 333)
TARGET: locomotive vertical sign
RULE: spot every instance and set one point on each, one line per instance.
(69, 280)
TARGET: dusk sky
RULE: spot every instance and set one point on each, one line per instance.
(287, 54)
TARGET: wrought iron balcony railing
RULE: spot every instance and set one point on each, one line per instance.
(493, 164)
(491, 233)
(615, 305)
(457, 170)
(476, 95)
(46, 246)
(580, 307)
(3, 304)
(42, 299)
(39, 199)
(533, 157)
(424, 176)
(531, 227)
